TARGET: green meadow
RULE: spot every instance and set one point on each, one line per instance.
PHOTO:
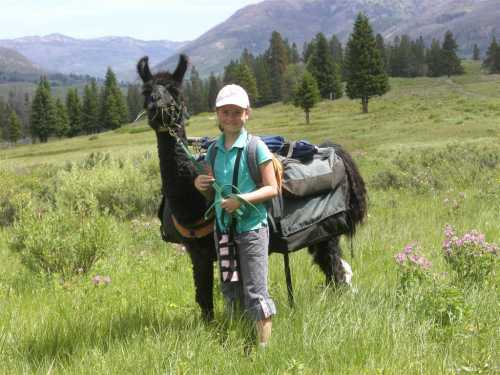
(429, 151)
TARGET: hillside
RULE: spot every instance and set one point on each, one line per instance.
(416, 112)
(12, 61)
(63, 54)
(472, 21)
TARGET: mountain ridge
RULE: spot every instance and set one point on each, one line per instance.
(251, 26)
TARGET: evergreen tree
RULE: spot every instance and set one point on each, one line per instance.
(15, 131)
(401, 59)
(434, 61)
(247, 58)
(294, 57)
(230, 72)
(135, 101)
(74, 110)
(307, 50)
(4, 119)
(61, 127)
(450, 60)
(366, 76)
(336, 50)
(379, 41)
(476, 53)
(323, 69)
(90, 108)
(492, 58)
(278, 60)
(292, 78)
(263, 80)
(214, 85)
(307, 94)
(43, 112)
(246, 79)
(26, 115)
(113, 111)
(419, 67)
(197, 100)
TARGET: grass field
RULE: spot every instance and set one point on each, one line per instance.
(430, 153)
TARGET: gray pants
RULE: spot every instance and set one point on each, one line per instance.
(251, 291)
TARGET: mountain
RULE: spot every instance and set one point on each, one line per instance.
(12, 61)
(60, 53)
(471, 21)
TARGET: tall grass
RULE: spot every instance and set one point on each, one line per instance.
(429, 153)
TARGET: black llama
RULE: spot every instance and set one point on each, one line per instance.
(166, 114)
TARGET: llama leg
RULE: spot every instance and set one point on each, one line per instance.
(327, 255)
(203, 274)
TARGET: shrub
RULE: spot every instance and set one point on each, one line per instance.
(124, 188)
(432, 169)
(470, 256)
(62, 241)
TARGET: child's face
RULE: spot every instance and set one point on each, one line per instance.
(232, 118)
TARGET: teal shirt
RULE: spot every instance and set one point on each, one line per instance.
(251, 218)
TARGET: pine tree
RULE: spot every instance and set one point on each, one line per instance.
(263, 81)
(74, 110)
(27, 114)
(307, 94)
(230, 72)
(324, 71)
(4, 117)
(43, 112)
(434, 61)
(293, 76)
(197, 100)
(214, 85)
(247, 58)
(476, 54)
(246, 79)
(307, 50)
(90, 108)
(113, 111)
(492, 59)
(419, 68)
(379, 41)
(134, 102)
(61, 127)
(336, 51)
(14, 128)
(294, 57)
(366, 76)
(451, 62)
(277, 60)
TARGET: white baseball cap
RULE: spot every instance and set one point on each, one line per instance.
(232, 94)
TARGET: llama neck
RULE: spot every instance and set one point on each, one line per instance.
(177, 175)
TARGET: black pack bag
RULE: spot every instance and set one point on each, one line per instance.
(167, 227)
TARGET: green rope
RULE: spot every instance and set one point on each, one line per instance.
(200, 168)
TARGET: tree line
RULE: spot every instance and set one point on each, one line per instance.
(324, 68)
(98, 109)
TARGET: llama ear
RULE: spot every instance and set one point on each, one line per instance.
(181, 69)
(143, 69)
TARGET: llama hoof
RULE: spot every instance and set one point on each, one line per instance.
(207, 316)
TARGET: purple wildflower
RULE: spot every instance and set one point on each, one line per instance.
(400, 258)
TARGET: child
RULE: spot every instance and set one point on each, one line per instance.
(243, 220)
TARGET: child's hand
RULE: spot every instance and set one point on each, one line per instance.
(230, 205)
(203, 182)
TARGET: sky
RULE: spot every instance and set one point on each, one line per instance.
(177, 20)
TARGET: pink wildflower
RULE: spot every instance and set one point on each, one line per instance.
(400, 258)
